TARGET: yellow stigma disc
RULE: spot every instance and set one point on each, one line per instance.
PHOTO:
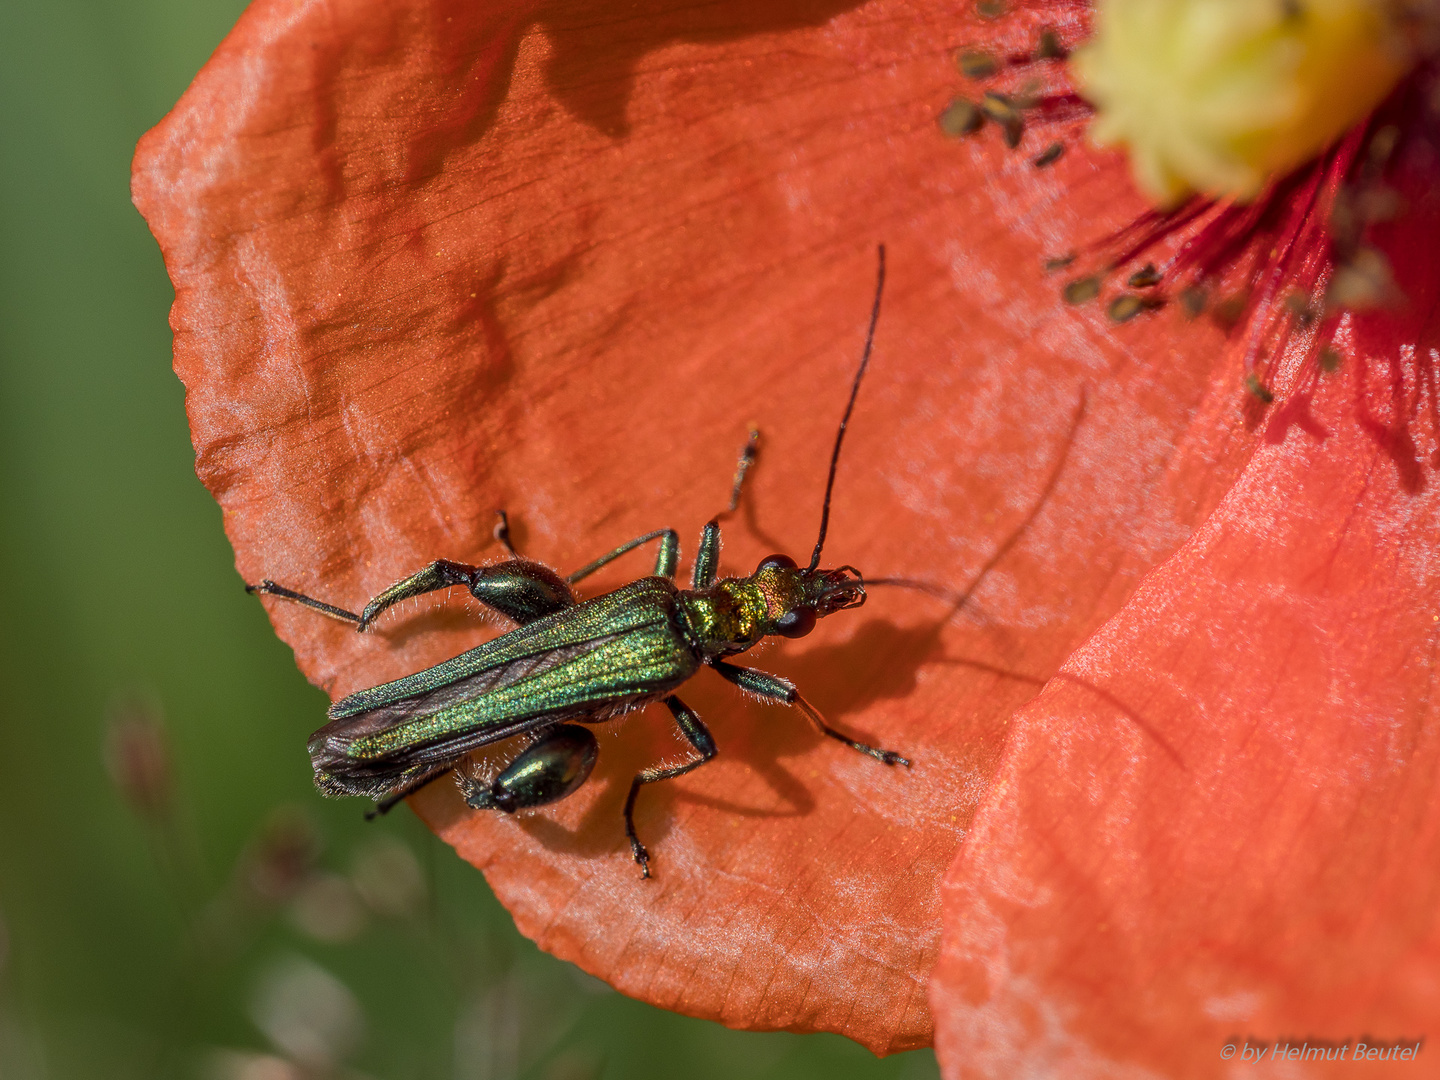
(1218, 96)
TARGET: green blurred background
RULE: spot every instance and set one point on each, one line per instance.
(175, 898)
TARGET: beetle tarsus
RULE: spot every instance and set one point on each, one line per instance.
(642, 857)
(783, 690)
(270, 588)
(747, 458)
(887, 757)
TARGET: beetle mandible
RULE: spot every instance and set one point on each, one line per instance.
(571, 662)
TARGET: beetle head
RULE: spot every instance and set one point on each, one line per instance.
(797, 596)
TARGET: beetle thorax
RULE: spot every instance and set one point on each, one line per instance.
(736, 613)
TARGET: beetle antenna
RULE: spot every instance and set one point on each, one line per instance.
(849, 406)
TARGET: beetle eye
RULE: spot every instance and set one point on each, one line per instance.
(778, 562)
(795, 623)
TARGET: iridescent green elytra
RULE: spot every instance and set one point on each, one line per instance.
(572, 662)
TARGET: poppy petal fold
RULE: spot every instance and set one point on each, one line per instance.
(1216, 830)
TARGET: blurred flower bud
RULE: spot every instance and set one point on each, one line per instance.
(238, 1065)
(573, 1065)
(388, 878)
(281, 856)
(137, 756)
(307, 1013)
(327, 908)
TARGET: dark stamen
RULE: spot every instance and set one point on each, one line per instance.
(974, 64)
(1082, 290)
(1049, 155)
(1048, 47)
(961, 117)
(1144, 278)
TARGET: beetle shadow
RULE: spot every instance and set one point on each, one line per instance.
(749, 516)
(882, 662)
(1143, 725)
(594, 54)
(601, 829)
(596, 50)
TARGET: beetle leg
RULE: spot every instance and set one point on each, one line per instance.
(521, 590)
(665, 559)
(668, 557)
(747, 458)
(440, 574)
(707, 557)
(408, 788)
(698, 735)
(517, 588)
(547, 770)
(783, 690)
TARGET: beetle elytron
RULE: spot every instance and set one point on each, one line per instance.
(572, 662)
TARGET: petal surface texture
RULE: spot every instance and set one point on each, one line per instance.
(1218, 825)
(436, 258)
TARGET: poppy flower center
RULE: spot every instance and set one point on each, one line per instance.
(1265, 132)
(1219, 96)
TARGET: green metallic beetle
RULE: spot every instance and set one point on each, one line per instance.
(572, 662)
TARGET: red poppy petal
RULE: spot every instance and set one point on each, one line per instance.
(436, 258)
(1218, 825)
